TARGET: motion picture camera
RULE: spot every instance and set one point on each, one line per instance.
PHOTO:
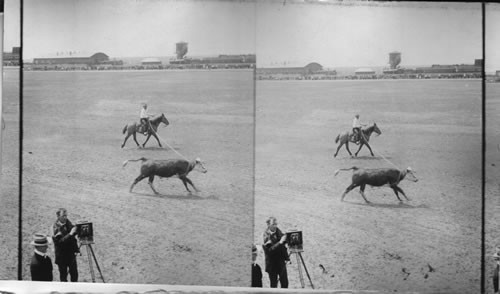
(85, 232)
(294, 240)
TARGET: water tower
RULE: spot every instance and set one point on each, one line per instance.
(181, 49)
(394, 59)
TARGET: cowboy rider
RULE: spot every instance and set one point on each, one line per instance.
(356, 129)
(144, 117)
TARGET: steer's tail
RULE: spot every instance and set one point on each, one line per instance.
(140, 159)
(344, 169)
(337, 139)
(125, 129)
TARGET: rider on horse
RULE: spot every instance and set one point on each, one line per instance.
(356, 129)
(144, 116)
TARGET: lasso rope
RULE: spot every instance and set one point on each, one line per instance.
(166, 143)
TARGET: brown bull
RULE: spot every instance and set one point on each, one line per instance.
(166, 169)
(378, 177)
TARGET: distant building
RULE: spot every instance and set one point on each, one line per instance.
(12, 58)
(150, 62)
(96, 59)
(497, 73)
(364, 72)
(311, 68)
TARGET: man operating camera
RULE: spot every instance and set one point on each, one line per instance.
(276, 254)
(66, 246)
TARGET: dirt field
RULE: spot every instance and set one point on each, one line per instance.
(431, 243)
(492, 186)
(73, 125)
(9, 201)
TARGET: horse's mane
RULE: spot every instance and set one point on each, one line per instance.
(156, 117)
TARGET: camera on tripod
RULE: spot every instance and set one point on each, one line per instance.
(85, 232)
(294, 240)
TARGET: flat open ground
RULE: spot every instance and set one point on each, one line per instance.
(492, 184)
(9, 200)
(73, 125)
(431, 243)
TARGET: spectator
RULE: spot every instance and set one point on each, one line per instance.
(256, 270)
(66, 246)
(41, 264)
(276, 254)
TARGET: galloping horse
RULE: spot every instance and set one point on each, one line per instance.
(347, 137)
(133, 128)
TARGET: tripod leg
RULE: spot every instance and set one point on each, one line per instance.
(301, 277)
(90, 263)
(305, 268)
(97, 265)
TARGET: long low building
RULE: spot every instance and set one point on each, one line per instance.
(96, 59)
(311, 68)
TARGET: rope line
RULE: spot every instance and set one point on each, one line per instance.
(388, 160)
(166, 143)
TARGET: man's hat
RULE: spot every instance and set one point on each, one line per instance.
(39, 240)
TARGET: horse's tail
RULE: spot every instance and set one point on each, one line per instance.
(140, 159)
(344, 169)
(124, 129)
(337, 139)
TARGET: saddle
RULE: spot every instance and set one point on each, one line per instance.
(142, 127)
(355, 138)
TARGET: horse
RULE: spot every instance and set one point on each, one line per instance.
(347, 137)
(133, 128)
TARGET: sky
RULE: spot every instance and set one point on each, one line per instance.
(492, 38)
(12, 24)
(347, 34)
(138, 28)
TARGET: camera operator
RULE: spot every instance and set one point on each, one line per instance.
(276, 254)
(66, 246)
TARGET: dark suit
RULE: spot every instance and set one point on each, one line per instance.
(41, 268)
(256, 275)
(65, 247)
(276, 256)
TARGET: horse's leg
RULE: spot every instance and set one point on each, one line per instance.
(156, 137)
(395, 189)
(360, 146)
(150, 182)
(147, 139)
(369, 148)
(338, 148)
(184, 181)
(135, 139)
(137, 180)
(362, 192)
(347, 190)
(347, 147)
(126, 138)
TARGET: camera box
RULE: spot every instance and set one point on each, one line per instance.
(294, 240)
(85, 232)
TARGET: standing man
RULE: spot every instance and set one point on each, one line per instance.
(66, 246)
(41, 264)
(276, 254)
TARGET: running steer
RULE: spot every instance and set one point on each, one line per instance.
(378, 177)
(166, 169)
